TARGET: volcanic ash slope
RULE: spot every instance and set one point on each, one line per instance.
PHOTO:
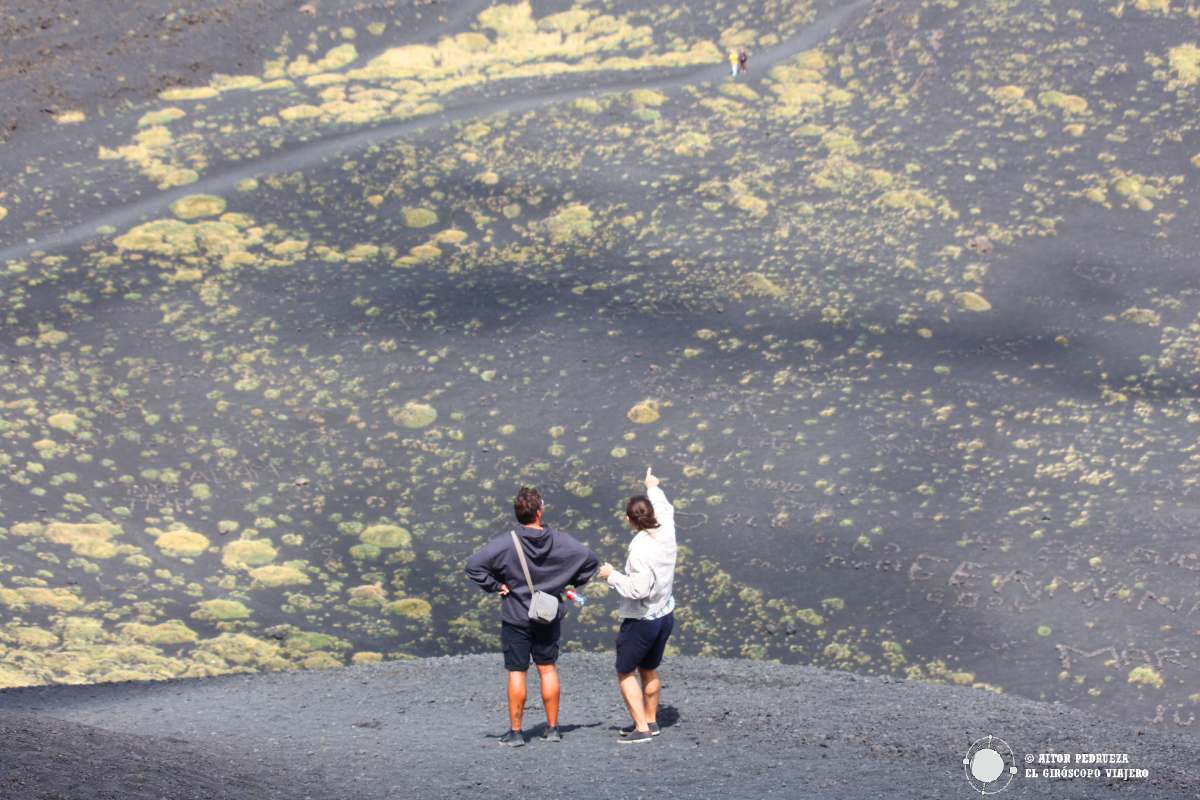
(427, 728)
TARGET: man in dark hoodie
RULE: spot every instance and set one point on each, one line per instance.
(556, 560)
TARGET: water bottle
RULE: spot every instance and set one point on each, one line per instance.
(575, 597)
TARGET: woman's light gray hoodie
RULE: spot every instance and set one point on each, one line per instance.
(645, 586)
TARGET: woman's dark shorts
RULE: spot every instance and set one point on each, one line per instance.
(641, 642)
(539, 640)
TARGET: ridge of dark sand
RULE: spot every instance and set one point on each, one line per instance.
(427, 728)
(45, 758)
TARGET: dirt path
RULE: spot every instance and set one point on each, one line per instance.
(732, 729)
(309, 153)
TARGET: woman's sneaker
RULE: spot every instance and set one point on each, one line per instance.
(637, 737)
(654, 731)
(513, 739)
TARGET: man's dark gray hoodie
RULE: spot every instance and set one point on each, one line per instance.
(556, 560)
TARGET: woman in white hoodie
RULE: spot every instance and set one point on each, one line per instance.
(647, 607)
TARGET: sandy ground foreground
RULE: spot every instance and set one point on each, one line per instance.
(424, 729)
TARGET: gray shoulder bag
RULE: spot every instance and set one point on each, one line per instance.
(542, 607)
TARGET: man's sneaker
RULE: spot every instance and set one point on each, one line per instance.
(637, 737)
(551, 735)
(654, 731)
(512, 739)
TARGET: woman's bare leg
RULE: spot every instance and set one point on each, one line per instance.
(651, 687)
(631, 692)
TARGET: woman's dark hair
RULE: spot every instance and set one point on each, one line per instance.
(527, 504)
(641, 512)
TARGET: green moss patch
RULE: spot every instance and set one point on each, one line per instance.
(220, 610)
(644, 412)
(972, 301)
(1185, 62)
(34, 637)
(275, 575)
(415, 415)
(161, 117)
(248, 553)
(198, 205)
(172, 632)
(63, 421)
(387, 536)
(411, 607)
(1070, 103)
(182, 543)
(365, 552)
(420, 217)
(87, 539)
(1146, 676)
(242, 650)
(569, 223)
(1142, 316)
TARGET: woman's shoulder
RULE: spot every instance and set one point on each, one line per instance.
(663, 534)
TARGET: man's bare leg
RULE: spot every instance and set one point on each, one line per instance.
(548, 675)
(631, 692)
(650, 690)
(516, 699)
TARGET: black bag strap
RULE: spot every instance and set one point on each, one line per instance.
(524, 565)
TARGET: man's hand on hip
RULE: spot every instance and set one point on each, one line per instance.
(503, 589)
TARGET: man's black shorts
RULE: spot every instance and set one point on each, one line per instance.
(640, 642)
(539, 640)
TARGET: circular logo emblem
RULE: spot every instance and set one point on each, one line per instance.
(989, 765)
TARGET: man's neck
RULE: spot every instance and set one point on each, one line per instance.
(533, 525)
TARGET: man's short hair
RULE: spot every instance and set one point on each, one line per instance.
(527, 505)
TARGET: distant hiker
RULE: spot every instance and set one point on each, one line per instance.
(553, 560)
(647, 607)
(733, 64)
(741, 60)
